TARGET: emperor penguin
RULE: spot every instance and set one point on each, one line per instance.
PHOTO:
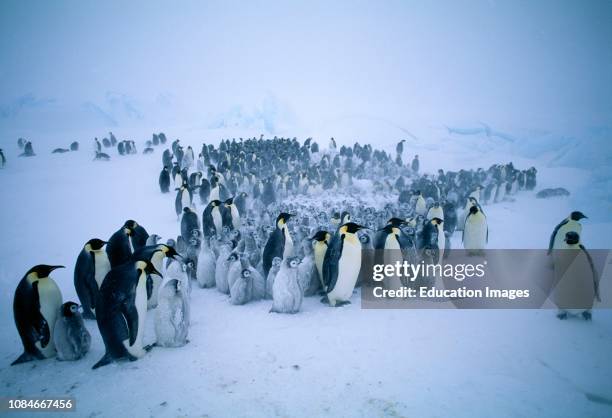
(164, 180)
(189, 223)
(475, 231)
(577, 282)
(471, 201)
(276, 265)
(36, 306)
(122, 311)
(241, 290)
(342, 264)
(287, 294)
(172, 314)
(232, 213)
(279, 244)
(119, 247)
(2, 159)
(392, 253)
(212, 219)
(221, 268)
(415, 164)
(183, 199)
(307, 271)
(71, 338)
(420, 206)
(435, 211)
(205, 271)
(569, 224)
(234, 267)
(154, 254)
(91, 267)
(320, 241)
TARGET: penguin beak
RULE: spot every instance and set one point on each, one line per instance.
(51, 268)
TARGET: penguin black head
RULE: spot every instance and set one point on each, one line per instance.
(229, 201)
(350, 228)
(215, 203)
(577, 215)
(364, 239)
(232, 257)
(246, 273)
(438, 221)
(282, 218)
(320, 236)
(293, 262)
(43, 270)
(572, 238)
(147, 267)
(170, 252)
(96, 244)
(396, 222)
(130, 225)
(473, 210)
(70, 309)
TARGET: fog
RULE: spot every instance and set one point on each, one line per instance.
(94, 66)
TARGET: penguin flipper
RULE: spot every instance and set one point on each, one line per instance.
(149, 286)
(130, 313)
(105, 360)
(594, 272)
(554, 234)
(330, 262)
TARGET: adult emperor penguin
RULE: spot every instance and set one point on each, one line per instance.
(119, 247)
(569, 224)
(576, 280)
(172, 314)
(183, 198)
(232, 213)
(91, 267)
(122, 311)
(287, 293)
(342, 264)
(320, 241)
(475, 231)
(212, 219)
(435, 211)
(279, 243)
(392, 252)
(420, 206)
(36, 306)
(164, 180)
(71, 338)
(154, 254)
(2, 159)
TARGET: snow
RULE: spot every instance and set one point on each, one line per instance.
(243, 361)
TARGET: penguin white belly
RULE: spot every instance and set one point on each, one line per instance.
(421, 207)
(288, 250)
(102, 266)
(185, 200)
(390, 257)
(50, 298)
(217, 221)
(435, 213)
(141, 306)
(214, 193)
(348, 271)
(475, 233)
(571, 226)
(178, 179)
(235, 217)
(574, 290)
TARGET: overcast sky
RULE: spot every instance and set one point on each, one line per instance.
(531, 63)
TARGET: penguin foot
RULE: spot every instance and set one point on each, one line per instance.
(149, 347)
(562, 315)
(325, 300)
(587, 315)
(340, 303)
(106, 359)
(24, 358)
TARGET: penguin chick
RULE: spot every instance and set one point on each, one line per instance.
(241, 290)
(172, 314)
(286, 292)
(71, 338)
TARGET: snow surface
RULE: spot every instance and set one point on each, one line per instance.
(243, 361)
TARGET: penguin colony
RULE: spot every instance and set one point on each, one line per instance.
(260, 237)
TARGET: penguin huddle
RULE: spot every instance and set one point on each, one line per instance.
(251, 226)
